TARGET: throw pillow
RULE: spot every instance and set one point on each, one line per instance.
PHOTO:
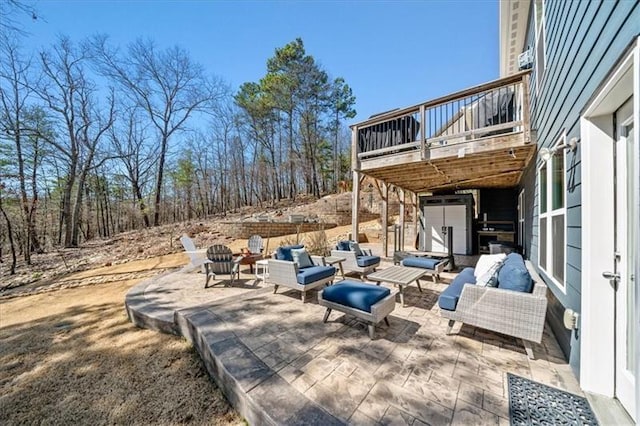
(301, 257)
(343, 245)
(490, 278)
(353, 246)
(486, 262)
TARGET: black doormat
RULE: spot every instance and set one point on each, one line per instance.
(532, 403)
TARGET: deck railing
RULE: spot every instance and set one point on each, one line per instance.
(496, 108)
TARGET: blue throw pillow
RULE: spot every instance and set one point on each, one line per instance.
(284, 252)
(343, 246)
(301, 257)
(515, 277)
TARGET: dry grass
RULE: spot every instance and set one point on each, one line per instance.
(72, 357)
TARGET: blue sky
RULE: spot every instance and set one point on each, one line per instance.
(392, 53)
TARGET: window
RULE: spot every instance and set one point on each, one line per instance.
(551, 184)
(540, 42)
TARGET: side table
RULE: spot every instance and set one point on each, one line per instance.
(262, 270)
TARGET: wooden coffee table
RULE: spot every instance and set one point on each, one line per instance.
(401, 276)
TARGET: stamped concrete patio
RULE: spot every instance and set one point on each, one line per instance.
(278, 363)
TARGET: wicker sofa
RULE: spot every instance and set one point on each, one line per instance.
(518, 312)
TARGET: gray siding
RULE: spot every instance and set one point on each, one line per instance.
(584, 39)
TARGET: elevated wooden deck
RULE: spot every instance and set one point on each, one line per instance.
(475, 138)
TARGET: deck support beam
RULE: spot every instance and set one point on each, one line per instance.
(414, 216)
(355, 206)
(385, 219)
(401, 198)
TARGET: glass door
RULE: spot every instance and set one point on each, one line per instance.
(626, 243)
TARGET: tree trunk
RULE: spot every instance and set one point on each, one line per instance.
(14, 259)
(158, 196)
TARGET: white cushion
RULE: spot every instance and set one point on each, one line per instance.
(301, 257)
(488, 262)
(490, 278)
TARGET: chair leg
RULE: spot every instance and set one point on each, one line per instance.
(372, 330)
(303, 295)
(419, 288)
(528, 348)
(206, 272)
(326, 315)
(450, 326)
(275, 288)
(386, 321)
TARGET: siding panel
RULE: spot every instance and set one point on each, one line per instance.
(583, 41)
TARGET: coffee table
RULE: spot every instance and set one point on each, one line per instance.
(401, 276)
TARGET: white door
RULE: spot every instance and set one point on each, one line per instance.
(433, 223)
(456, 217)
(626, 241)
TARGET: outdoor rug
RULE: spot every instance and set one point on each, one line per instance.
(532, 403)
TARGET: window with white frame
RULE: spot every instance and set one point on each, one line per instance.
(551, 192)
(540, 42)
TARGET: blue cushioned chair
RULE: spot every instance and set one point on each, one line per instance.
(368, 302)
(284, 271)
(357, 260)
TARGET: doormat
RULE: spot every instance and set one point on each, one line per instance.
(532, 403)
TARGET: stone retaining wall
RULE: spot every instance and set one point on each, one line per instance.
(269, 229)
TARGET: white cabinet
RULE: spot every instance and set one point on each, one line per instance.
(437, 216)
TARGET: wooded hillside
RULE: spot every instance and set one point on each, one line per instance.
(98, 139)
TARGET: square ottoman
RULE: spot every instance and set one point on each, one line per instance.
(368, 302)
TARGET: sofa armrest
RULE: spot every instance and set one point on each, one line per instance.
(505, 311)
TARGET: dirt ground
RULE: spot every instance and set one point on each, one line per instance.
(71, 356)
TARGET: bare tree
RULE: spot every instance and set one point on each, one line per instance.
(166, 84)
(71, 97)
(22, 125)
(138, 157)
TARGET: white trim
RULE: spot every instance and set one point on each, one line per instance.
(540, 32)
(550, 213)
(636, 114)
(597, 362)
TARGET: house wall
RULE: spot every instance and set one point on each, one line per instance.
(583, 41)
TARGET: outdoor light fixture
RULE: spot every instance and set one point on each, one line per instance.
(547, 153)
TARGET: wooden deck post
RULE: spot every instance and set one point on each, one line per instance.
(355, 187)
(385, 219)
(355, 205)
(414, 214)
(401, 221)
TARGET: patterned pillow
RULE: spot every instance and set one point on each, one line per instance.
(490, 277)
(487, 262)
(301, 257)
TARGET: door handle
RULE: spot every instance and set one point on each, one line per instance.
(610, 275)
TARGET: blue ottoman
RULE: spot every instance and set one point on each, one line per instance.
(433, 265)
(368, 302)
